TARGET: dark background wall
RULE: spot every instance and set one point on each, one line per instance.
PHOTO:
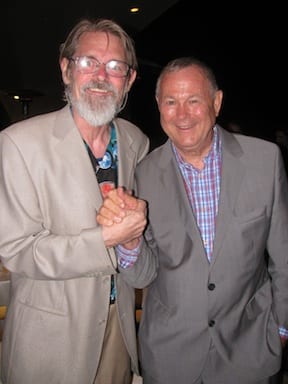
(245, 43)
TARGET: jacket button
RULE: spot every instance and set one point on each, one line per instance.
(211, 323)
(211, 287)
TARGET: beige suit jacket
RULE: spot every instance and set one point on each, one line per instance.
(49, 240)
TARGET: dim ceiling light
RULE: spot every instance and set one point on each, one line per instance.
(134, 9)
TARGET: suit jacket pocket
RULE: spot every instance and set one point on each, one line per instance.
(253, 216)
(261, 301)
(43, 295)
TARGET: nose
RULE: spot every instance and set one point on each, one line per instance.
(181, 110)
(100, 72)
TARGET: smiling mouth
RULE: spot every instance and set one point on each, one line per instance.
(99, 90)
(184, 127)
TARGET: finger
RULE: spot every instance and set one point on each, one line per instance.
(101, 220)
(116, 195)
(111, 208)
(142, 205)
(131, 201)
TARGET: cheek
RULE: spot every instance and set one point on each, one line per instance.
(76, 83)
(167, 113)
(199, 112)
(118, 86)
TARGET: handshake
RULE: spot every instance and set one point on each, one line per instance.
(123, 218)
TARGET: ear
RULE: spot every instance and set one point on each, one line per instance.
(157, 100)
(218, 101)
(131, 80)
(64, 69)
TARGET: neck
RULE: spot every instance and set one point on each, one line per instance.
(97, 138)
(195, 156)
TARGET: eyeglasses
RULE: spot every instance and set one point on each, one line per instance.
(88, 65)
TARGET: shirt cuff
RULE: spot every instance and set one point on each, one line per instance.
(127, 257)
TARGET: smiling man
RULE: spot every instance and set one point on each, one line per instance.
(71, 314)
(215, 252)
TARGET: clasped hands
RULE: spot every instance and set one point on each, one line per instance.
(123, 218)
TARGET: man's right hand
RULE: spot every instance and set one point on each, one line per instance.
(123, 218)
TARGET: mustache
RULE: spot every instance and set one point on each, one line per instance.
(99, 85)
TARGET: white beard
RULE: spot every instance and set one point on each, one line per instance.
(97, 110)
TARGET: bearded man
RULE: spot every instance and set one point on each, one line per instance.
(71, 314)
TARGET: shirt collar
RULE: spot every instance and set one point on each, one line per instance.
(214, 151)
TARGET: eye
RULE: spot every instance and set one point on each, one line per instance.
(114, 65)
(85, 62)
(169, 102)
(117, 67)
(193, 101)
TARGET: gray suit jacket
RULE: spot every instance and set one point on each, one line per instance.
(236, 302)
(49, 240)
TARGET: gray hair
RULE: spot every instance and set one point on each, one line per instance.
(68, 48)
(184, 62)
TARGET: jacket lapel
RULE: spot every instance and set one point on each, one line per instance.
(126, 155)
(175, 183)
(71, 148)
(232, 175)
